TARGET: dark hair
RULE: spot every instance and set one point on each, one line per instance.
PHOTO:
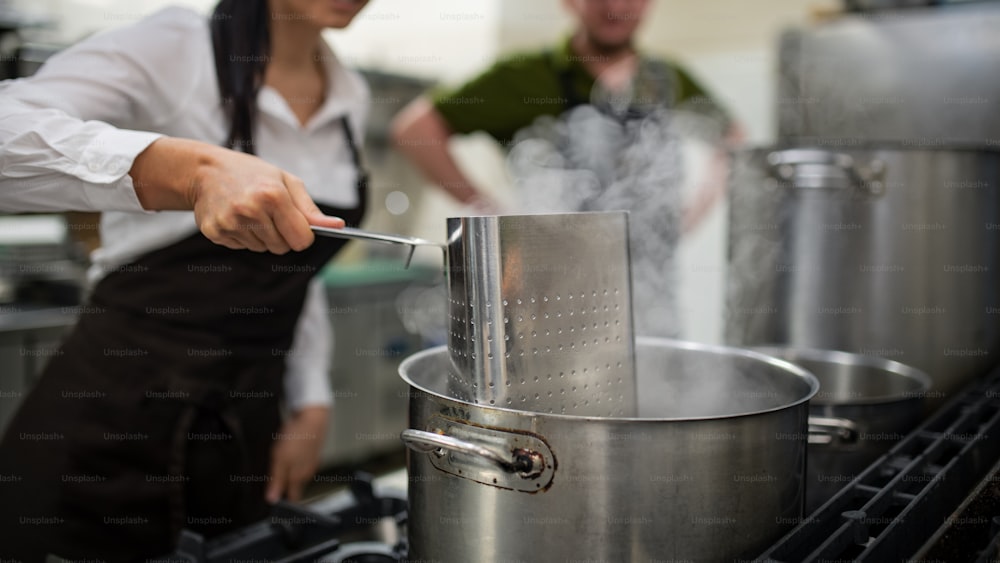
(241, 41)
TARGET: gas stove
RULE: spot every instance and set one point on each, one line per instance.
(359, 525)
(934, 497)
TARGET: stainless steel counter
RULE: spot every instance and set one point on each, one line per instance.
(370, 340)
(29, 337)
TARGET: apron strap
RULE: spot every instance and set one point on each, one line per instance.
(565, 77)
(352, 146)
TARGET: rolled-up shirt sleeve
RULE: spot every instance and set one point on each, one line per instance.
(50, 161)
(69, 134)
(307, 375)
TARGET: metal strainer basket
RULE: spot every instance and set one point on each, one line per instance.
(541, 312)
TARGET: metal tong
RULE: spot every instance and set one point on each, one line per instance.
(361, 234)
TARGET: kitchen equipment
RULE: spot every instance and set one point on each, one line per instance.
(351, 233)
(540, 310)
(361, 524)
(711, 468)
(919, 78)
(39, 264)
(888, 252)
(877, 400)
(370, 340)
(29, 338)
(932, 497)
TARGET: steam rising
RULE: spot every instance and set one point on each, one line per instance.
(588, 160)
(423, 310)
(592, 160)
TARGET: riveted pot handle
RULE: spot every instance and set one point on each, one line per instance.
(525, 463)
(823, 169)
(832, 431)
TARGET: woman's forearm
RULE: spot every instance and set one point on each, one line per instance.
(239, 200)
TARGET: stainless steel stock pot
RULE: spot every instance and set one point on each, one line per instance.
(711, 469)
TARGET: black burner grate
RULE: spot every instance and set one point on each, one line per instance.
(906, 501)
(294, 534)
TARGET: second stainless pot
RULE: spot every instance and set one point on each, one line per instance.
(864, 406)
(886, 252)
(711, 469)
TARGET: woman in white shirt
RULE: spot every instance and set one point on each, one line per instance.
(162, 411)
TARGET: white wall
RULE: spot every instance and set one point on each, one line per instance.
(75, 19)
(441, 39)
(437, 39)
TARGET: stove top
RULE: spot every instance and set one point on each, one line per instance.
(934, 497)
(357, 526)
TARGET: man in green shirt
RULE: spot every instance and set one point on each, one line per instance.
(598, 64)
(517, 90)
(591, 126)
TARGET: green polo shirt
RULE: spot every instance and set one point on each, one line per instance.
(523, 87)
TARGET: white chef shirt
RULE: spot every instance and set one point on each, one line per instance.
(69, 135)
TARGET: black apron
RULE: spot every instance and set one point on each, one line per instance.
(161, 408)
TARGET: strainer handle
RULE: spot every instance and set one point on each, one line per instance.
(361, 234)
(526, 463)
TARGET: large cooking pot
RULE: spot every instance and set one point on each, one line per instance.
(864, 406)
(885, 252)
(711, 469)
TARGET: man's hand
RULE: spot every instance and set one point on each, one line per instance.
(238, 200)
(295, 454)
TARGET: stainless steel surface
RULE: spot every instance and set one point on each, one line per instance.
(513, 461)
(823, 169)
(541, 313)
(875, 401)
(907, 272)
(921, 78)
(711, 469)
(28, 340)
(360, 234)
(38, 260)
(369, 342)
(825, 430)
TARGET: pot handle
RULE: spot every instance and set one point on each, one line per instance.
(822, 169)
(525, 463)
(830, 431)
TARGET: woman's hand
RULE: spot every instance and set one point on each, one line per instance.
(295, 453)
(239, 201)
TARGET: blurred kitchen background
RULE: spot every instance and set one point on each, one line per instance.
(403, 47)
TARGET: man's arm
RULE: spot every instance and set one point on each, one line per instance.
(422, 135)
(714, 187)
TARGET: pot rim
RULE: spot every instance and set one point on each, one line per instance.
(772, 361)
(869, 146)
(852, 359)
